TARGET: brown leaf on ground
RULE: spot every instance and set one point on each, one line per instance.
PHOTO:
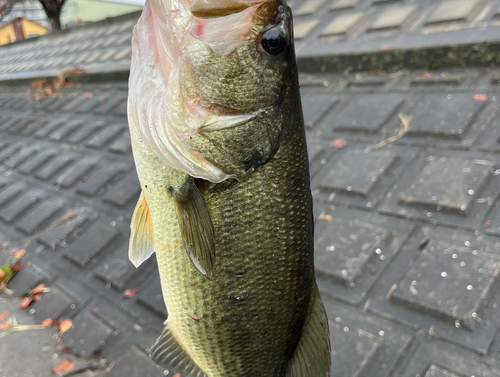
(95, 311)
(177, 375)
(17, 253)
(37, 297)
(25, 302)
(65, 325)
(38, 289)
(3, 274)
(47, 322)
(65, 366)
(5, 326)
(18, 266)
(487, 224)
(88, 95)
(427, 74)
(480, 97)
(131, 292)
(4, 315)
(386, 47)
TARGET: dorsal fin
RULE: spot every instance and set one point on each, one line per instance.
(141, 244)
(168, 353)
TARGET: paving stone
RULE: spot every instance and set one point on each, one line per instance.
(104, 136)
(89, 105)
(76, 172)
(31, 128)
(17, 159)
(91, 243)
(9, 193)
(87, 336)
(121, 109)
(365, 113)
(55, 166)
(10, 151)
(344, 4)
(60, 233)
(351, 251)
(21, 205)
(357, 347)
(20, 126)
(135, 363)
(37, 162)
(110, 104)
(48, 128)
(315, 108)
(25, 280)
(65, 130)
(309, 7)
(150, 296)
(74, 104)
(454, 11)
(53, 305)
(450, 183)
(38, 217)
(439, 284)
(99, 179)
(444, 115)
(436, 371)
(393, 18)
(344, 24)
(435, 80)
(124, 191)
(84, 132)
(302, 28)
(344, 175)
(367, 82)
(118, 271)
(122, 144)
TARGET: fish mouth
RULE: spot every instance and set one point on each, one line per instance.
(220, 8)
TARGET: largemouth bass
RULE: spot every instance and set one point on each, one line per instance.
(219, 145)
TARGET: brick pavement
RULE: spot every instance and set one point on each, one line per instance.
(407, 235)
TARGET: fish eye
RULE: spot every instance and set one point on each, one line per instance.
(274, 41)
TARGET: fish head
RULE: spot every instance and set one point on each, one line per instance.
(223, 73)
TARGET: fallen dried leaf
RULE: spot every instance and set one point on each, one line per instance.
(25, 302)
(65, 325)
(386, 47)
(339, 143)
(88, 95)
(177, 375)
(131, 292)
(427, 74)
(102, 100)
(5, 326)
(3, 274)
(65, 366)
(95, 311)
(37, 297)
(18, 266)
(19, 254)
(47, 322)
(480, 97)
(324, 216)
(38, 289)
(487, 224)
(4, 315)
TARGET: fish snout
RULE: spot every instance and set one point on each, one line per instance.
(220, 8)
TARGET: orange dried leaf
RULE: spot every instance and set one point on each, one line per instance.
(38, 289)
(95, 311)
(88, 95)
(324, 216)
(37, 297)
(5, 326)
(4, 315)
(65, 325)
(177, 375)
(70, 215)
(130, 292)
(47, 322)
(427, 74)
(19, 254)
(386, 47)
(480, 97)
(65, 366)
(25, 302)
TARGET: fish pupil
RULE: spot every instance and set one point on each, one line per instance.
(274, 41)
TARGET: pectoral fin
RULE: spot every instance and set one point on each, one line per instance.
(312, 355)
(196, 227)
(168, 353)
(141, 237)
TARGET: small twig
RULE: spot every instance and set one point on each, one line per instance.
(58, 222)
(15, 328)
(405, 121)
